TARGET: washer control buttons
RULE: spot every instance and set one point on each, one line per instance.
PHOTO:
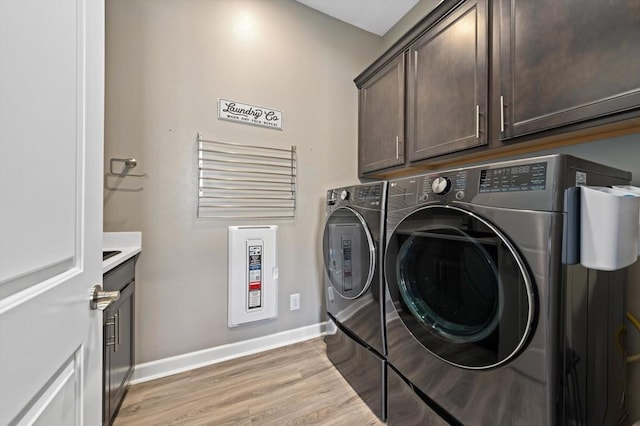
(459, 195)
(344, 195)
(331, 199)
(441, 185)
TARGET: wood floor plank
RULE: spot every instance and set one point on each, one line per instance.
(293, 385)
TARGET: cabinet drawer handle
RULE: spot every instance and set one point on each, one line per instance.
(477, 121)
(111, 321)
(501, 114)
(110, 341)
(398, 143)
(117, 331)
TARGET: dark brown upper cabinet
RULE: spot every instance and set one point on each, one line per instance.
(381, 130)
(448, 85)
(482, 74)
(565, 62)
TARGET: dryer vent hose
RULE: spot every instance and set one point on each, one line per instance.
(621, 330)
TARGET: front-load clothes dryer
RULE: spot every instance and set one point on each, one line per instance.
(352, 245)
(485, 324)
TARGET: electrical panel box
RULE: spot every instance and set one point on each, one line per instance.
(252, 274)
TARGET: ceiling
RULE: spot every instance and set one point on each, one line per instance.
(375, 16)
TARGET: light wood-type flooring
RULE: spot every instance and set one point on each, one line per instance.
(293, 385)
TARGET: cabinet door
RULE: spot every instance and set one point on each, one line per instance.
(119, 353)
(448, 84)
(381, 119)
(563, 62)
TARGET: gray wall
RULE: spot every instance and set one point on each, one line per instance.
(168, 62)
(417, 12)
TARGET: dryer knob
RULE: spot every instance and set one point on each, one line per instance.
(441, 185)
(344, 195)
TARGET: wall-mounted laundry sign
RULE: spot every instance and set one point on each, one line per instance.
(249, 114)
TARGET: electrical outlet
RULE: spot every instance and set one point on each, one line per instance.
(294, 302)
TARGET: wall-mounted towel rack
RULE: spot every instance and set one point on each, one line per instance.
(129, 163)
(237, 180)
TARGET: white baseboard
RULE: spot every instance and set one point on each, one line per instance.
(180, 363)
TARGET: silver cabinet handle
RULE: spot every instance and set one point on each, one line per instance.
(501, 114)
(110, 341)
(398, 143)
(477, 121)
(115, 339)
(117, 331)
(101, 299)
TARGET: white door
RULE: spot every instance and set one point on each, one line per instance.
(51, 150)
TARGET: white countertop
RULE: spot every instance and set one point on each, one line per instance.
(129, 243)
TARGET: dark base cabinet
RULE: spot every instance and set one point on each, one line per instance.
(118, 338)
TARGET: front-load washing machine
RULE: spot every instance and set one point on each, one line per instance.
(354, 285)
(486, 325)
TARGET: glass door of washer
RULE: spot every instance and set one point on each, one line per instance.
(459, 286)
(349, 253)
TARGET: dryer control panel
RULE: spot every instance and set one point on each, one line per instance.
(536, 183)
(522, 177)
(444, 186)
(370, 196)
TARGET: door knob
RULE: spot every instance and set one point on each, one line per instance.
(101, 299)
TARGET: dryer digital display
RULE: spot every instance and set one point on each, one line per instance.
(526, 177)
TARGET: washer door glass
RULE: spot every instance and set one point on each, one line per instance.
(459, 286)
(349, 252)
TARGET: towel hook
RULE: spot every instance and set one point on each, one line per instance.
(129, 163)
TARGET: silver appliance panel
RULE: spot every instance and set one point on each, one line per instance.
(559, 375)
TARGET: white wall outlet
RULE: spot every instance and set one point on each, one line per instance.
(294, 302)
